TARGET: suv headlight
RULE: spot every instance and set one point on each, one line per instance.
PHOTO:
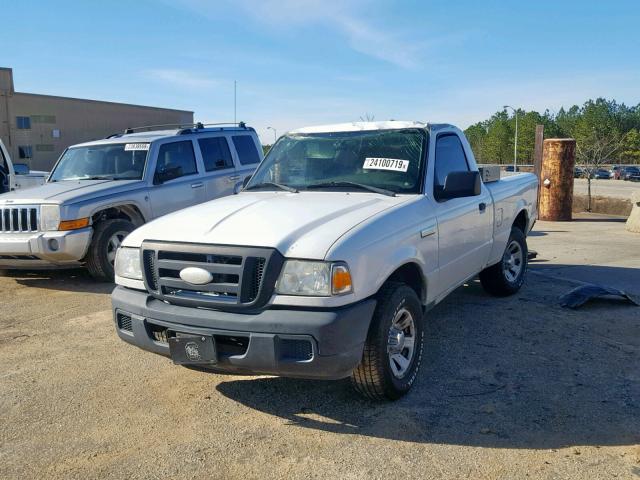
(310, 278)
(128, 263)
(49, 217)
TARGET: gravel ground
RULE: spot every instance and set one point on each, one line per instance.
(510, 388)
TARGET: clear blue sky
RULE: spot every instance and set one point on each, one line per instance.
(304, 62)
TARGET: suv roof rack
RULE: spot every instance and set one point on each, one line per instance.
(183, 127)
(201, 127)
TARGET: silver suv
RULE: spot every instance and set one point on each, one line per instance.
(100, 191)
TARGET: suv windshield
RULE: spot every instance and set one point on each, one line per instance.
(390, 160)
(113, 161)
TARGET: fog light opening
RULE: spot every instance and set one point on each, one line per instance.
(53, 245)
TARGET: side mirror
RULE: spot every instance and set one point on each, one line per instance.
(460, 184)
(168, 173)
(245, 181)
(21, 168)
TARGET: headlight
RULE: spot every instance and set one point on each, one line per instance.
(128, 263)
(321, 279)
(49, 217)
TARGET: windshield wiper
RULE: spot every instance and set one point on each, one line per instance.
(97, 177)
(286, 188)
(361, 186)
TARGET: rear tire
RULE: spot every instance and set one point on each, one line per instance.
(392, 354)
(507, 276)
(107, 237)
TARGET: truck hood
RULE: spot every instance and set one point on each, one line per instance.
(299, 225)
(68, 191)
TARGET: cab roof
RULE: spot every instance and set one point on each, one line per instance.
(360, 126)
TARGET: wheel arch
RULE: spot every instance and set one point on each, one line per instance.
(521, 221)
(410, 273)
(125, 211)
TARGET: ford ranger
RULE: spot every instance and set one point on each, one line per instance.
(100, 191)
(325, 264)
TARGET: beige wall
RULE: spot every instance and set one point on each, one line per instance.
(77, 120)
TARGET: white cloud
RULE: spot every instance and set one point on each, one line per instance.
(347, 18)
(181, 78)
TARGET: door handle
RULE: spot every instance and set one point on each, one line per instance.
(233, 178)
(427, 232)
(482, 206)
(197, 185)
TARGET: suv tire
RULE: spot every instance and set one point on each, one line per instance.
(392, 354)
(507, 276)
(107, 237)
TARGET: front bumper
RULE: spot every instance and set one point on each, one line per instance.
(43, 249)
(331, 341)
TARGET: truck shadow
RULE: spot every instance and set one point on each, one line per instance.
(519, 372)
(76, 280)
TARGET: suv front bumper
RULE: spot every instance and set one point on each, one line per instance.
(320, 344)
(43, 249)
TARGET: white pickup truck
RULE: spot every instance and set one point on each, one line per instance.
(17, 176)
(326, 263)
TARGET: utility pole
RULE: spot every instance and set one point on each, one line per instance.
(515, 142)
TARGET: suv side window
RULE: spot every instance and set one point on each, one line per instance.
(246, 148)
(450, 157)
(215, 153)
(177, 155)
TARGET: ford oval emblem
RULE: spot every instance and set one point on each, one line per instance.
(196, 276)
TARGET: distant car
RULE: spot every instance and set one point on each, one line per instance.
(602, 173)
(615, 172)
(634, 177)
(629, 171)
(511, 168)
(578, 172)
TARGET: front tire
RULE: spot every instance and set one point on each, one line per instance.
(393, 349)
(107, 237)
(507, 276)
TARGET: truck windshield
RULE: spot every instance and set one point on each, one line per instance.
(109, 162)
(388, 160)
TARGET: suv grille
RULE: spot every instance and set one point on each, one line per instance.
(241, 277)
(15, 219)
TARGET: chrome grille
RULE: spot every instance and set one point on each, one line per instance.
(241, 277)
(19, 219)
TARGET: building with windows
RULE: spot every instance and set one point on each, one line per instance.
(37, 128)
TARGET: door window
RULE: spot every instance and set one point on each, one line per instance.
(246, 148)
(215, 153)
(450, 157)
(178, 158)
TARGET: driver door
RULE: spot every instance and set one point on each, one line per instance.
(184, 188)
(465, 224)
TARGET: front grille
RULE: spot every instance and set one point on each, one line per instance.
(17, 219)
(124, 322)
(241, 277)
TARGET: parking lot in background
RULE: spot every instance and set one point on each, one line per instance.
(606, 188)
(508, 386)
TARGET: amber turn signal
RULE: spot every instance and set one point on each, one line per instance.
(73, 224)
(340, 280)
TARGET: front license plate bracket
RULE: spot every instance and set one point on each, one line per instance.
(187, 349)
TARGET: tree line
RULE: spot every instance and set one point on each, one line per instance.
(606, 132)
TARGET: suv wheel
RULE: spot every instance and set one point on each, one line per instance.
(393, 349)
(107, 237)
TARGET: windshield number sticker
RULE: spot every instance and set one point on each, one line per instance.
(130, 147)
(375, 163)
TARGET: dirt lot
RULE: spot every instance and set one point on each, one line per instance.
(511, 388)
